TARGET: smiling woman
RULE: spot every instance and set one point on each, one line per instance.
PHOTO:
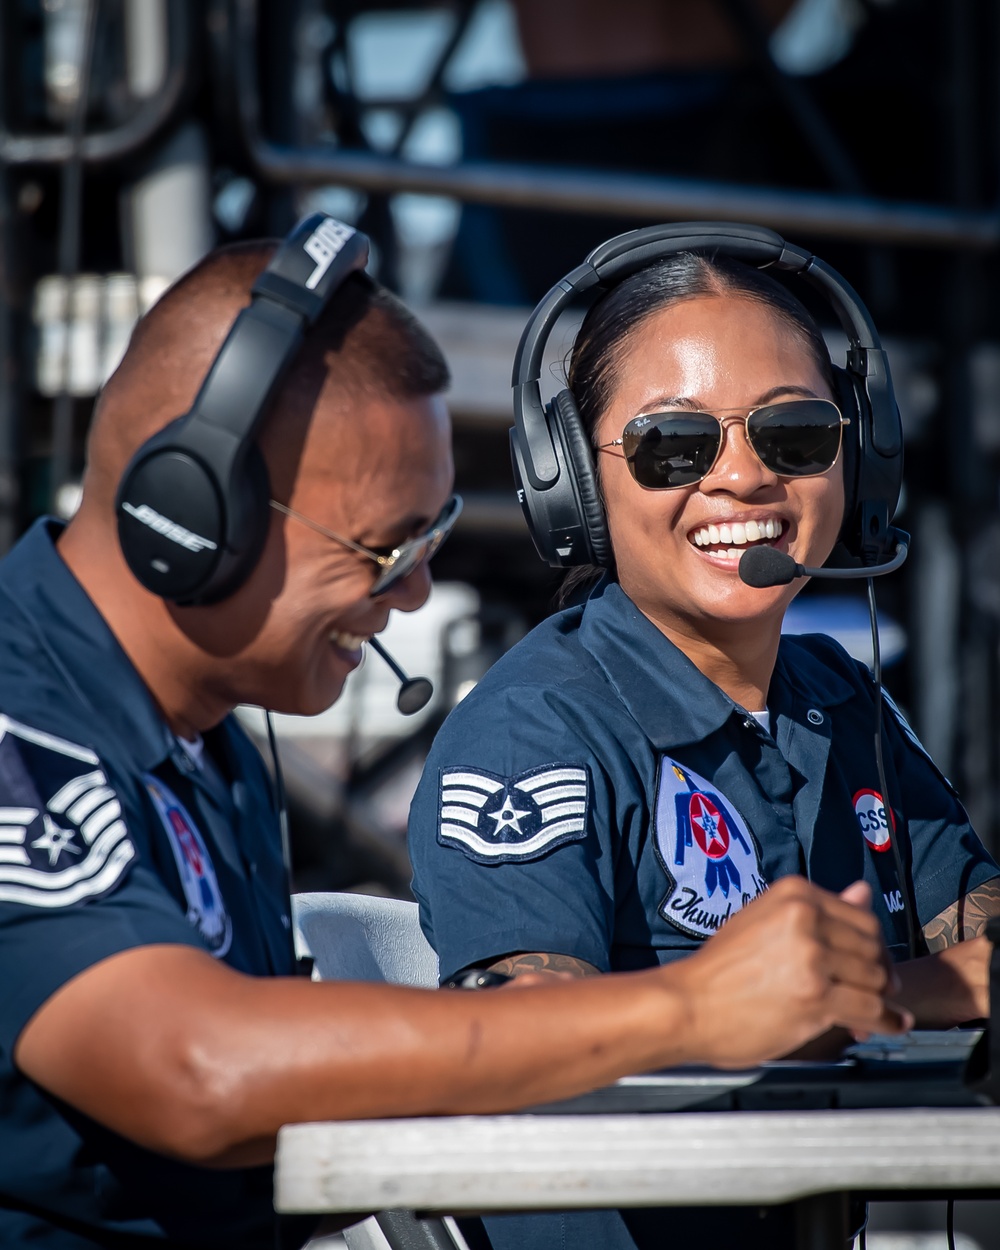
(648, 761)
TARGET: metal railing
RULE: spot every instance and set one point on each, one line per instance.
(638, 197)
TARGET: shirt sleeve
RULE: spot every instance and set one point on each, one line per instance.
(73, 889)
(948, 859)
(511, 832)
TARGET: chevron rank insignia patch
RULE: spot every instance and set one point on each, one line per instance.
(503, 820)
(62, 836)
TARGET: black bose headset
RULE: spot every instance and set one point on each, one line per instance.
(552, 455)
(193, 503)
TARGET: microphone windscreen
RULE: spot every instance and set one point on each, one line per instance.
(767, 566)
(414, 694)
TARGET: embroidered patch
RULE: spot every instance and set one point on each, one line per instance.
(206, 907)
(62, 836)
(706, 850)
(870, 811)
(500, 820)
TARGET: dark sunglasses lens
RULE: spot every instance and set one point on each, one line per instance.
(416, 550)
(800, 438)
(675, 449)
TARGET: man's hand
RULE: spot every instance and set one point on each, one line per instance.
(794, 963)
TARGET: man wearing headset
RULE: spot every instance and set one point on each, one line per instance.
(153, 1037)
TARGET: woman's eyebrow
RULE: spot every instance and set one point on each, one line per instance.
(662, 403)
(775, 391)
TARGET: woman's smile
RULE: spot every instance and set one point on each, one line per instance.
(726, 539)
(678, 550)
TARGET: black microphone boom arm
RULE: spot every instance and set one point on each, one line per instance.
(414, 692)
(766, 566)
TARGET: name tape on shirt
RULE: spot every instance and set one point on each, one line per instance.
(206, 906)
(62, 836)
(503, 820)
(709, 855)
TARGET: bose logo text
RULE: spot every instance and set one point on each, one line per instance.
(323, 245)
(169, 529)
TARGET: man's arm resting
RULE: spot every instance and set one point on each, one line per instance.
(190, 1058)
(951, 985)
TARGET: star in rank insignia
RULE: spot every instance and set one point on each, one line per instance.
(706, 850)
(499, 820)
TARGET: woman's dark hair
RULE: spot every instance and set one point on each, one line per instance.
(602, 340)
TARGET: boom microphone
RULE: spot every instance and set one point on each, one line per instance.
(414, 692)
(767, 566)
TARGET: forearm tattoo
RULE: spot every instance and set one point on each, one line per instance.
(965, 919)
(545, 962)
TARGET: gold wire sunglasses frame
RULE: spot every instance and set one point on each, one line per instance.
(402, 560)
(694, 463)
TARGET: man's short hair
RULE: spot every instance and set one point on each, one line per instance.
(366, 340)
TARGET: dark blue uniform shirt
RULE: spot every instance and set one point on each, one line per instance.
(111, 838)
(597, 796)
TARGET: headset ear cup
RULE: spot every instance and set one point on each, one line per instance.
(851, 454)
(872, 481)
(248, 514)
(580, 462)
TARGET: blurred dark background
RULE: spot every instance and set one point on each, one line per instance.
(486, 146)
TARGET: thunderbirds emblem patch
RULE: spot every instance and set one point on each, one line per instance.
(206, 907)
(705, 848)
(499, 820)
(62, 836)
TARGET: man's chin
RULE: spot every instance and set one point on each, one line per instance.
(311, 698)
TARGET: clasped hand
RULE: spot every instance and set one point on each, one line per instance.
(792, 964)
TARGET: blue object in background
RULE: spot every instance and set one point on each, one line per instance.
(846, 620)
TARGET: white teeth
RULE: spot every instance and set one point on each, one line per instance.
(350, 642)
(737, 533)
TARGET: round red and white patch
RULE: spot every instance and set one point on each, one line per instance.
(870, 811)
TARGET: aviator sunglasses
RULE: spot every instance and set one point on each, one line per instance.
(796, 438)
(400, 562)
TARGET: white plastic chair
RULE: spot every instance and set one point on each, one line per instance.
(359, 937)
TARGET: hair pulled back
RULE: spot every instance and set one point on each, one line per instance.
(603, 339)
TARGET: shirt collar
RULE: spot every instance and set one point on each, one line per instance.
(806, 676)
(674, 703)
(76, 641)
